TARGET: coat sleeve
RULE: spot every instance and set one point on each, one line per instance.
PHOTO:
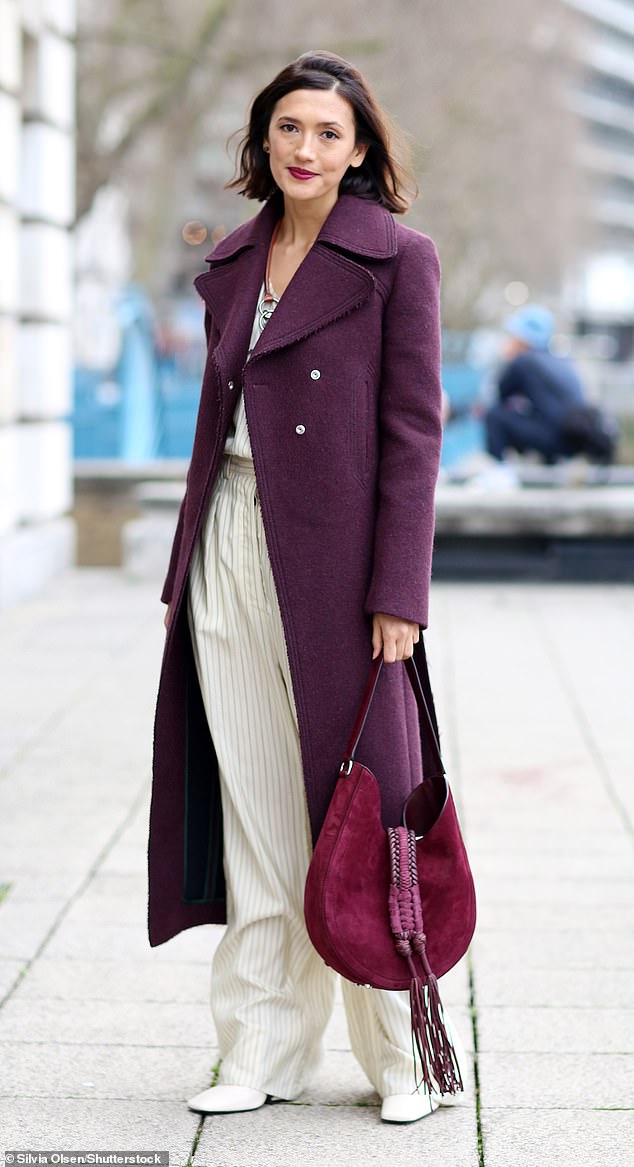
(411, 436)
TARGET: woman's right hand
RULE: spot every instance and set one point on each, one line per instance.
(394, 637)
(166, 618)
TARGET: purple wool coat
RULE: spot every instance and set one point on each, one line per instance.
(343, 403)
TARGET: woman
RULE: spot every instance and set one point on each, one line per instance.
(303, 549)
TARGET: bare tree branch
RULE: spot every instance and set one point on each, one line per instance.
(169, 82)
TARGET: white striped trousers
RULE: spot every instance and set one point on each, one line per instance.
(271, 993)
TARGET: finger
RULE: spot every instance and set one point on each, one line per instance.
(389, 650)
(377, 638)
(408, 648)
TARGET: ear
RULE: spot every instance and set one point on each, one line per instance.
(359, 154)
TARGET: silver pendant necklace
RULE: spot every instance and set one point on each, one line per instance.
(267, 304)
(266, 307)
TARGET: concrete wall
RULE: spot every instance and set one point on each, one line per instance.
(37, 176)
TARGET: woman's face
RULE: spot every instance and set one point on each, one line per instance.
(311, 140)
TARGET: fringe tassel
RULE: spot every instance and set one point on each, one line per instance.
(430, 1041)
(440, 1071)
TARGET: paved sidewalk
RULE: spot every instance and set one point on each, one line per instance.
(102, 1038)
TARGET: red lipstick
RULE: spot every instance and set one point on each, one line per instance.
(296, 172)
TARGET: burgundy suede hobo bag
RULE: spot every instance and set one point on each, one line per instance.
(395, 909)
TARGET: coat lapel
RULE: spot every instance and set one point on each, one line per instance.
(330, 282)
(230, 291)
(325, 286)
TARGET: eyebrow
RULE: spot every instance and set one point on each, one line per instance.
(284, 118)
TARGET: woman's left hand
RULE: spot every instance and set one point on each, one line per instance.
(396, 637)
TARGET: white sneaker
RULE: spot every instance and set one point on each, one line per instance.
(227, 1099)
(408, 1107)
(501, 476)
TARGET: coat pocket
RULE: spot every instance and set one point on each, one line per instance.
(358, 430)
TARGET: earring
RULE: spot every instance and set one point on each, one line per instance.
(266, 149)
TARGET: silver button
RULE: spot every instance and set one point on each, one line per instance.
(230, 383)
(315, 374)
(300, 429)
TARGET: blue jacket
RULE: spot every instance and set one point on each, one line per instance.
(550, 383)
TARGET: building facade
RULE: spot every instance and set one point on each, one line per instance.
(603, 97)
(37, 185)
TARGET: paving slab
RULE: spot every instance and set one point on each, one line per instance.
(101, 910)
(120, 941)
(67, 822)
(121, 1022)
(556, 1030)
(530, 818)
(522, 846)
(115, 980)
(70, 1070)
(10, 972)
(527, 917)
(556, 988)
(47, 862)
(349, 1136)
(565, 1138)
(588, 894)
(553, 1080)
(554, 867)
(117, 1125)
(23, 930)
(39, 885)
(554, 947)
(126, 859)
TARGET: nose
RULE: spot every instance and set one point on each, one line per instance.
(306, 148)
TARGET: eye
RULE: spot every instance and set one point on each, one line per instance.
(333, 136)
(287, 126)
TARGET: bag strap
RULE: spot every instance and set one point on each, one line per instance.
(424, 702)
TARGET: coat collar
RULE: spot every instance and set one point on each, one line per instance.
(329, 283)
(357, 225)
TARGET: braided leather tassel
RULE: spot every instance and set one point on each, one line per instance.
(439, 1064)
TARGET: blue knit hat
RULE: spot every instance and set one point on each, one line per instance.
(532, 324)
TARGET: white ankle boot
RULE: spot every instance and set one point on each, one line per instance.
(227, 1099)
(408, 1107)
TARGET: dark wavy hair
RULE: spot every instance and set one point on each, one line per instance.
(385, 174)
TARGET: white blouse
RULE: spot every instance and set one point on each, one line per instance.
(238, 435)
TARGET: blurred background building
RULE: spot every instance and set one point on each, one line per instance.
(602, 95)
(37, 210)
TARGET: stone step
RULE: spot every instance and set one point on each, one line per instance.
(538, 532)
